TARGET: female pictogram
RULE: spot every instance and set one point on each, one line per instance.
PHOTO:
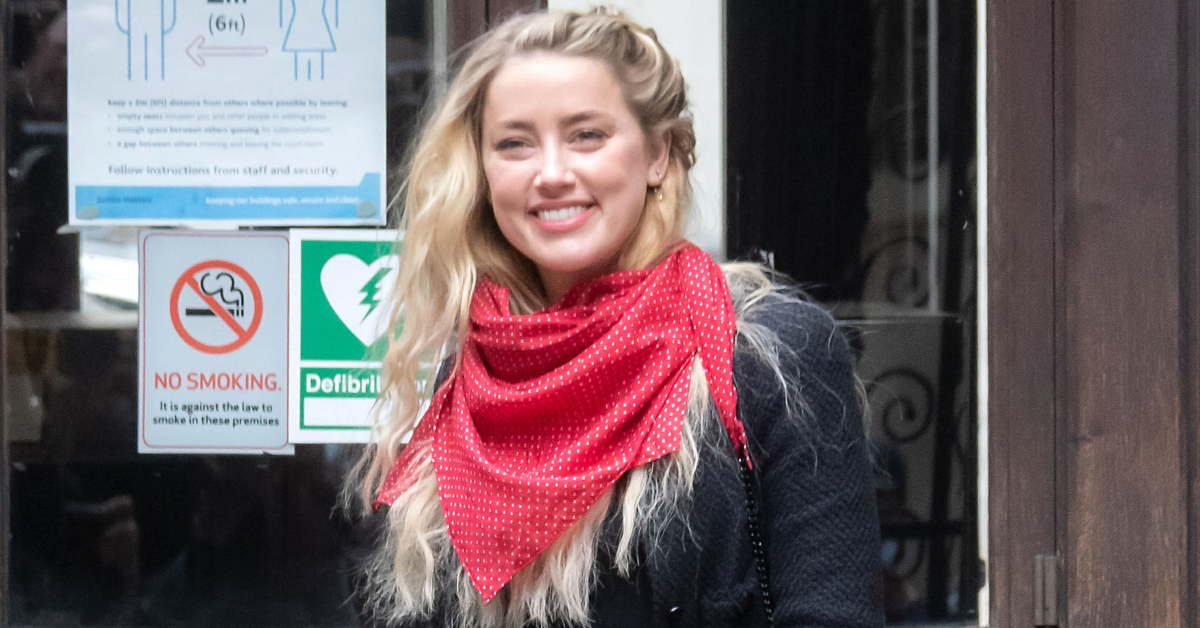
(309, 36)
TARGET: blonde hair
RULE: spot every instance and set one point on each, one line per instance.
(451, 239)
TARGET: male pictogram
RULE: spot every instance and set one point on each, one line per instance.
(216, 307)
(145, 25)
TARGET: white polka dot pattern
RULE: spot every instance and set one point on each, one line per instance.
(548, 410)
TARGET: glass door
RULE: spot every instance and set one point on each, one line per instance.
(100, 534)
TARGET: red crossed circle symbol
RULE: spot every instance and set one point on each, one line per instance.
(188, 278)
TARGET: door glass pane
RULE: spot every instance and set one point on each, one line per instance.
(100, 534)
(852, 168)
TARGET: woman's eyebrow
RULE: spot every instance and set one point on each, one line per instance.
(583, 116)
(518, 125)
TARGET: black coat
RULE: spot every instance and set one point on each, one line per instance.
(815, 494)
(816, 497)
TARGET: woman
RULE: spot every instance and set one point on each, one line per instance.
(623, 425)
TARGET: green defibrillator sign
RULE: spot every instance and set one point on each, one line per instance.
(341, 288)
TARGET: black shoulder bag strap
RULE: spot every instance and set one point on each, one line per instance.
(760, 555)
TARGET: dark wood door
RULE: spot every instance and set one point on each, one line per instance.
(1093, 279)
(469, 19)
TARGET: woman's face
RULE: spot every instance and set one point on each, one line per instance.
(567, 165)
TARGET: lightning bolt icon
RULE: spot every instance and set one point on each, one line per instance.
(370, 289)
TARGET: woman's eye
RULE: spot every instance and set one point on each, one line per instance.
(589, 136)
(509, 144)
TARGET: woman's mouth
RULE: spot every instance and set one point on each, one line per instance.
(555, 215)
(562, 219)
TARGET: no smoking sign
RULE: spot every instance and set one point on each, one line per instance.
(216, 306)
(213, 358)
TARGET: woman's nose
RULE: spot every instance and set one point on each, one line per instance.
(555, 172)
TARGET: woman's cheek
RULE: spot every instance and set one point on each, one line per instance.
(507, 187)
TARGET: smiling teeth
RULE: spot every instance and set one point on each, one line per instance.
(560, 214)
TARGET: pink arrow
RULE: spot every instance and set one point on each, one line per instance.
(196, 51)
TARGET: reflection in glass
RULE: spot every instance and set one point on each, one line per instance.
(100, 534)
(851, 168)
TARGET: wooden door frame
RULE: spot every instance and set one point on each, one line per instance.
(1020, 225)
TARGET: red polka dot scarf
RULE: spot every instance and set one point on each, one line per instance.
(547, 411)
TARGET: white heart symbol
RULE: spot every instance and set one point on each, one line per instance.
(359, 293)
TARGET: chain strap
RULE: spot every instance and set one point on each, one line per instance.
(756, 543)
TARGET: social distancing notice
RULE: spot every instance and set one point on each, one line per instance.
(227, 111)
(341, 289)
(214, 338)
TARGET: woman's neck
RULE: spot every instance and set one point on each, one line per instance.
(558, 283)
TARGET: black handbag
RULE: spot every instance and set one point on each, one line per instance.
(756, 542)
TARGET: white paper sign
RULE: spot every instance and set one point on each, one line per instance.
(213, 345)
(238, 111)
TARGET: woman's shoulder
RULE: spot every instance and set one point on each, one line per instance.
(780, 324)
(794, 372)
(794, 319)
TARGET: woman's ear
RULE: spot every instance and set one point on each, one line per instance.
(660, 158)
